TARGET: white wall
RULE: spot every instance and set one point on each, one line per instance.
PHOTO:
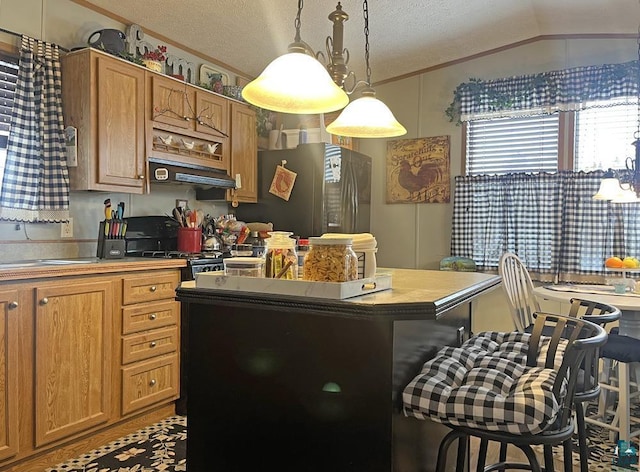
(69, 25)
(418, 235)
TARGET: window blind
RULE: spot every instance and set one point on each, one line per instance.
(604, 137)
(8, 79)
(504, 145)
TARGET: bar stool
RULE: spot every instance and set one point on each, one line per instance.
(512, 388)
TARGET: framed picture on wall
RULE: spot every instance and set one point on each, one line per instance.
(418, 170)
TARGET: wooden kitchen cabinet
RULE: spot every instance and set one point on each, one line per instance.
(73, 360)
(84, 359)
(244, 153)
(103, 97)
(150, 340)
(9, 397)
(186, 123)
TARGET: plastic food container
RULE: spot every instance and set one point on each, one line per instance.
(244, 266)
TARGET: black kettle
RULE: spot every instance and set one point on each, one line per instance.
(110, 40)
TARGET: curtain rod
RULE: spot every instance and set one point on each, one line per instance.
(20, 35)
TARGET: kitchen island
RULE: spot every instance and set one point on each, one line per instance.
(311, 384)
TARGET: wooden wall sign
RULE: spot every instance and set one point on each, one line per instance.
(418, 170)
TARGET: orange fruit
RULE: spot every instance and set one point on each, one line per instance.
(614, 263)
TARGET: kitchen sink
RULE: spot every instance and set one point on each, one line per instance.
(64, 261)
(42, 262)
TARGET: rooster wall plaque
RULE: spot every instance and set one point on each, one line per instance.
(418, 170)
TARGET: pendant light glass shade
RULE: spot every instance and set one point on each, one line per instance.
(295, 83)
(609, 189)
(366, 117)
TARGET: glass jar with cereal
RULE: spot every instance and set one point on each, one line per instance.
(330, 260)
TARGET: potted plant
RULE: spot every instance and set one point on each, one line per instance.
(154, 60)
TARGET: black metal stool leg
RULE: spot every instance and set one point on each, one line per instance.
(548, 459)
(482, 454)
(463, 442)
(444, 448)
(582, 437)
(568, 456)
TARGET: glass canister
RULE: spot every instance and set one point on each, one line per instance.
(281, 258)
(330, 260)
(303, 248)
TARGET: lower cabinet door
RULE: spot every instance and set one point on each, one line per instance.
(73, 336)
(148, 382)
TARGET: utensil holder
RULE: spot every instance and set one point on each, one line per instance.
(189, 239)
(111, 243)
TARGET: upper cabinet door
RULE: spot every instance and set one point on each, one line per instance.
(244, 153)
(103, 98)
(212, 114)
(169, 102)
(121, 138)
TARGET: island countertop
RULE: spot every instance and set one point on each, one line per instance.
(413, 292)
(293, 382)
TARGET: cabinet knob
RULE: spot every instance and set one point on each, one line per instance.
(44, 301)
(13, 305)
(152, 344)
(153, 288)
(141, 177)
(153, 316)
(152, 382)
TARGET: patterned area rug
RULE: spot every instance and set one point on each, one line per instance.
(157, 448)
(162, 448)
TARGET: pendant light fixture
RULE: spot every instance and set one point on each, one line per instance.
(629, 191)
(366, 117)
(296, 82)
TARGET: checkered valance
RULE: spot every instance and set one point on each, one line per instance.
(547, 92)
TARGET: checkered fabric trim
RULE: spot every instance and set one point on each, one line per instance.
(486, 384)
(549, 220)
(562, 90)
(35, 186)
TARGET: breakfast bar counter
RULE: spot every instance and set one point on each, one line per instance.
(311, 384)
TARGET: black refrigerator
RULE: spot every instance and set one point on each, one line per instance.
(331, 192)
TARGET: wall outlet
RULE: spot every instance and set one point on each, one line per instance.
(66, 229)
(181, 204)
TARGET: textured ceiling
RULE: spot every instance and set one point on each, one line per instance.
(405, 35)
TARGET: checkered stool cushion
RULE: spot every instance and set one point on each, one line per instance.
(486, 384)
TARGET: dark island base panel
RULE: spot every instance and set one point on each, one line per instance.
(295, 391)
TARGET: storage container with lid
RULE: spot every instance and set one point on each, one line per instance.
(243, 266)
(281, 257)
(330, 260)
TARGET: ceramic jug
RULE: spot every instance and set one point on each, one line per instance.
(110, 40)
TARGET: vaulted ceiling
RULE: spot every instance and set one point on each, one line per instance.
(405, 36)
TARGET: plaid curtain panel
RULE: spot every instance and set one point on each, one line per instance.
(548, 92)
(35, 186)
(548, 219)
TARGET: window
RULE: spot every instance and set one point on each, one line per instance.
(525, 144)
(548, 219)
(603, 139)
(604, 136)
(8, 78)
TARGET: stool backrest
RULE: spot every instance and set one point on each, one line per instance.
(600, 314)
(568, 342)
(518, 287)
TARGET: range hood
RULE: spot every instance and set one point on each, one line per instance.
(169, 171)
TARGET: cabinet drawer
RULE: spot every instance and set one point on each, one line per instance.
(149, 382)
(147, 316)
(149, 287)
(137, 347)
